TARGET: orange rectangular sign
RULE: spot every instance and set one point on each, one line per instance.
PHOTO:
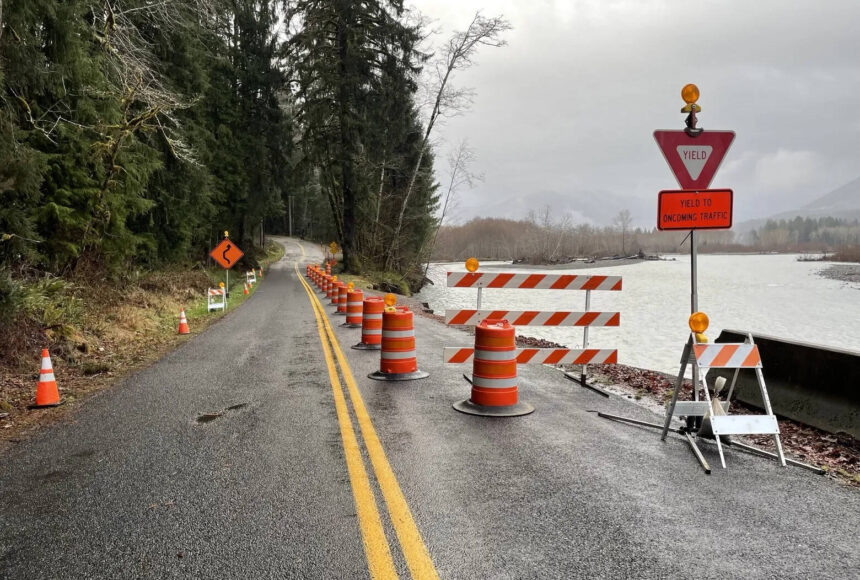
(689, 209)
(226, 253)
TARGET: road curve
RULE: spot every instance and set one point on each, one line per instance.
(231, 458)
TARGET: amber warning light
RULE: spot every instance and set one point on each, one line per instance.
(707, 209)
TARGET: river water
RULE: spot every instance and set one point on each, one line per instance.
(774, 295)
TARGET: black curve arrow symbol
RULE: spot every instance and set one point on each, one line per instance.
(224, 254)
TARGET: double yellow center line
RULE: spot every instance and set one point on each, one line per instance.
(379, 560)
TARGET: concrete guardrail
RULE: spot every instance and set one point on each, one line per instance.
(816, 385)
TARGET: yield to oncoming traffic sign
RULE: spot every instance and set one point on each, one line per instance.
(705, 209)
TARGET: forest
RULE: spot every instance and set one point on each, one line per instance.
(133, 133)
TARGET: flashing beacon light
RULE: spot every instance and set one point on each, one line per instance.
(221, 285)
(690, 94)
(350, 286)
(226, 234)
(390, 300)
(334, 278)
(699, 324)
(472, 264)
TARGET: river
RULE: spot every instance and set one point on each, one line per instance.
(773, 294)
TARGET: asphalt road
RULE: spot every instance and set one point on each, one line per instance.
(135, 486)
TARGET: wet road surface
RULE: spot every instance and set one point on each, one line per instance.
(232, 458)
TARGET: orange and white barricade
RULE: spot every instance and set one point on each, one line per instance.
(398, 360)
(342, 291)
(716, 420)
(335, 291)
(531, 281)
(216, 299)
(371, 324)
(494, 372)
(354, 308)
(251, 276)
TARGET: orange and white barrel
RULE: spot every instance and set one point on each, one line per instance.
(329, 284)
(494, 372)
(371, 324)
(328, 269)
(354, 299)
(398, 361)
(342, 291)
(335, 289)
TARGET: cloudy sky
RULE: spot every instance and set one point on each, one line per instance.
(564, 114)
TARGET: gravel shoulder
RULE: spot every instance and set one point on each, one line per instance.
(849, 273)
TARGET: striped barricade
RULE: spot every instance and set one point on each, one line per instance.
(251, 277)
(541, 356)
(533, 317)
(216, 299)
(716, 421)
(530, 281)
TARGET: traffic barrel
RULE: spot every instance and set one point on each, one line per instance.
(335, 290)
(329, 282)
(354, 308)
(328, 269)
(494, 373)
(371, 324)
(342, 291)
(397, 361)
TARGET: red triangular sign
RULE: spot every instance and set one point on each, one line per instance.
(694, 160)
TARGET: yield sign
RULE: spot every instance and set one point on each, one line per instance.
(694, 160)
(226, 253)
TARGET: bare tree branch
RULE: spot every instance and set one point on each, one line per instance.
(458, 54)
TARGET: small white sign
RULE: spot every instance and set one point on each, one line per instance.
(694, 158)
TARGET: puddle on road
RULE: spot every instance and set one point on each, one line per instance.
(209, 417)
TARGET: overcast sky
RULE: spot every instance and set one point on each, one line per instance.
(564, 114)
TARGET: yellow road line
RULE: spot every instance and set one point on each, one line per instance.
(414, 550)
(379, 560)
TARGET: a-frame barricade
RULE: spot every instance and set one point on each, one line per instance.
(714, 413)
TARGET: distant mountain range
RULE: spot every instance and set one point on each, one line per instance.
(842, 203)
(600, 208)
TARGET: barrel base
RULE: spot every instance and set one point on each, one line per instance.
(366, 346)
(339, 313)
(348, 325)
(471, 408)
(381, 376)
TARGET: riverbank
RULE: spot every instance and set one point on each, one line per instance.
(849, 273)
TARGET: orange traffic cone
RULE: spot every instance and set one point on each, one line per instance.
(261, 271)
(183, 323)
(47, 394)
(246, 288)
